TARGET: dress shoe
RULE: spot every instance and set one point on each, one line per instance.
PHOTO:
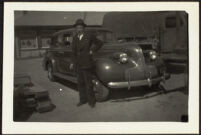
(81, 103)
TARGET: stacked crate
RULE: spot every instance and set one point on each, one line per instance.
(29, 96)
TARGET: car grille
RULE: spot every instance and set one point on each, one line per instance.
(132, 74)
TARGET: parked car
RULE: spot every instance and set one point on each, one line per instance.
(116, 64)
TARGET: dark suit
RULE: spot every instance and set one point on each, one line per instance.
(83, 62)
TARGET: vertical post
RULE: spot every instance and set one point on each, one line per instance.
(16, 47)
(84, 16)
(19, 46)
(36, 39)
(38, 35)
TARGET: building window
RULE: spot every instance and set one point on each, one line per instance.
(28, 40)
(45, 38)
(45, 42)
(28, 43)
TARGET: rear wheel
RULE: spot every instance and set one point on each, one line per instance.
(50, 73)
(101, 92)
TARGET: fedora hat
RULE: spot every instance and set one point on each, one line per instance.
(79, 22)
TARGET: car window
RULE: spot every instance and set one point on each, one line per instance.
(68, 38)
(105, 36)
(53, 42)
(62, 41)
(65, 39)
(57, 41)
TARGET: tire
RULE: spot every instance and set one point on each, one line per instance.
(101, 92)
(51, 77)
(155, 86)
(152, 87)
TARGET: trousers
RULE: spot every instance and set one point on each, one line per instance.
(85, 86)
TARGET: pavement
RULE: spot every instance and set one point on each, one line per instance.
(137, 104)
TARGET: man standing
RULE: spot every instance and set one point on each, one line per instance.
(84, 45)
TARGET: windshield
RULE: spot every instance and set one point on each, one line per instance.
(105, 36)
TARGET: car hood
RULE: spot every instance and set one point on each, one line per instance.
(120, 46)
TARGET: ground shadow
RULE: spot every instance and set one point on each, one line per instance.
(134, 93)
(143, 94)
(116, 94)
(21, 113)
(67, 83)
(176, 69)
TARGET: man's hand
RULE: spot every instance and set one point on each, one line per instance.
(71, 66)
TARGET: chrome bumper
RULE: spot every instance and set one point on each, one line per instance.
(148, 82)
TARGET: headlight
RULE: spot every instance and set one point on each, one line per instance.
(123, 58)
(122, 55)
(153, 55)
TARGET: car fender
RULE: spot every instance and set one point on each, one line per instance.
(107, 70)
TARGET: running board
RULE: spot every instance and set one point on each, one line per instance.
(69, 78)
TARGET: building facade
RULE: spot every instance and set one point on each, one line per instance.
(33, 29)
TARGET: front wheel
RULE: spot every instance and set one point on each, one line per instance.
(101, 92)
(153, 87)
(50, 73)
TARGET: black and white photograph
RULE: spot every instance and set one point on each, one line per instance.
(102, 66)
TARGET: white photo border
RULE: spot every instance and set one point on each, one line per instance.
(11, 127)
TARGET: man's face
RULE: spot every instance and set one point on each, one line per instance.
(79, 29)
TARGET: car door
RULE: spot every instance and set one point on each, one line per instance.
(67, 55)
(57, 52)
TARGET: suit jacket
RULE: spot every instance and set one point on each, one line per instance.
(81, 48)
